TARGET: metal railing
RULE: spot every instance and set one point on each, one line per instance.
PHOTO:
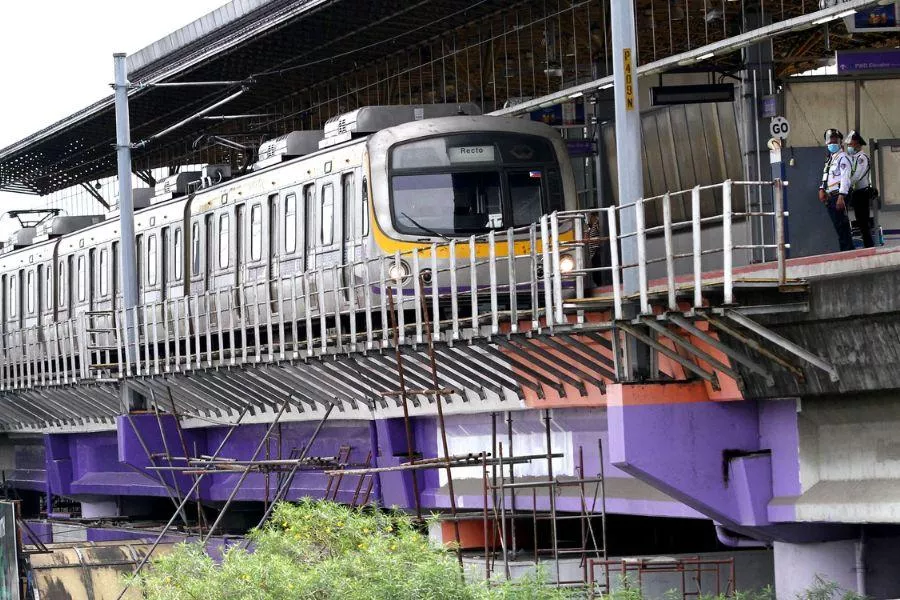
(534, 279)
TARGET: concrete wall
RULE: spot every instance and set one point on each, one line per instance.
(850, 459)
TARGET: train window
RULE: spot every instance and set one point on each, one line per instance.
(151, 260)
(104, 272)
(256, 232)
(311, 229)
(223, 240)
(290, 223)
(29, 286)
(61, 282)
(525, 193)
(365, 207)
(176, 254)
(13, 295)
(195, 248)
(327, 215)
(48, 286)
(82, 279)
(349, 204)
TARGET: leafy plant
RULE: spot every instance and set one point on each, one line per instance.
(324, 551)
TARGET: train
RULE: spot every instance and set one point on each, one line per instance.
(380, 181)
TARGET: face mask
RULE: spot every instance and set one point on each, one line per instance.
(851, 150)
(833, 148)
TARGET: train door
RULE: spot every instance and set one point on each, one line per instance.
(208, 281)
(165, 236)
(272, 254)
(140, 265)
(4, 314)
(240, 260)
(114, 276)
(311, 227)
(39, 300)
(350, 239)
(92, 276)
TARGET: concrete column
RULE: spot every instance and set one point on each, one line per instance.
(798, 566)
(628, 129)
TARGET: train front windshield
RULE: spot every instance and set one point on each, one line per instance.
(471, 183)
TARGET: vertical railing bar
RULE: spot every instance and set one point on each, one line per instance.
(778, 189)
(177, 333)
(698, 247)
(336, 293)
(454, 294)
(398, 293)
(257, 318)
(533, 278)
(155, 340)
(614, 261)
(417, 293)
(513, 284)
(221, 325)
(295, 316)
(350, 269)
(310, 349)
(727, 244)
(208, 318)
(670, 251)
(435, 297)
(642, 255)
(198, 363)
(367, 300)
(559, 314)
(492, 273)
(281, 327)
(168, 352)
(548, 289)
(383, 287)
(270, 324)
(473, 284)
(579, 251)
(320, 292)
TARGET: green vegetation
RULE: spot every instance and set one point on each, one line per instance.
(822, 589)
(324, 551)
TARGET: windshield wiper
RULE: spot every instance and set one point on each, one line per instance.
(423, 228)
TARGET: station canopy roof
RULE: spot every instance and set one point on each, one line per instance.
(291, 56)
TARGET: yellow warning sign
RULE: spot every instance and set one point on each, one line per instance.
(629, 80)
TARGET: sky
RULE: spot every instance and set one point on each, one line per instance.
(57, 57)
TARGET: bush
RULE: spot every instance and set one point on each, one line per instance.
(324, 551)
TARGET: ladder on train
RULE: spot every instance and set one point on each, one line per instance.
(102, 346)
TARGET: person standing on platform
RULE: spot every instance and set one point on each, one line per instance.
(860, 186)
(836, 186)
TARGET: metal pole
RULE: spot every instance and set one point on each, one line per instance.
(629, 165)
(127, 260)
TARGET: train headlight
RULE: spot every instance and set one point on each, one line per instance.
(566, 263)
(398, 271)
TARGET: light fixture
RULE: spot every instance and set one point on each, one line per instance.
(399, 271)
(576, 95)
(705, 56)
(605, 86)
(566, 263)
(839, 15)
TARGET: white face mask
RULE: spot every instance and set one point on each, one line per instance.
(851, 150)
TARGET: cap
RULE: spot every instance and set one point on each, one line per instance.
(854, 136)
(833, 132)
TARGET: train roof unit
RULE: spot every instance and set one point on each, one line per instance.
(288, 146)
(370, 119)
(61, 225)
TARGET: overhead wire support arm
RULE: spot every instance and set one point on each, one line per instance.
(140, 86)
(193, 117)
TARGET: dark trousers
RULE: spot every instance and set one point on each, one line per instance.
(841, 223)
(860, 200)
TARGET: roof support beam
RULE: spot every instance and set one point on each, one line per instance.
(95, 194)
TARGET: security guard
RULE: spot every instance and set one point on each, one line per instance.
(861, 188)
(836, 186)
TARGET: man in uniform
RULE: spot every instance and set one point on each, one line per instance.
(836, 186)
(860, 186)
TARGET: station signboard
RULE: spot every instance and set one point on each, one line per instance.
(874, 60)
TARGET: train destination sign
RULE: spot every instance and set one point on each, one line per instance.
(468, 154)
